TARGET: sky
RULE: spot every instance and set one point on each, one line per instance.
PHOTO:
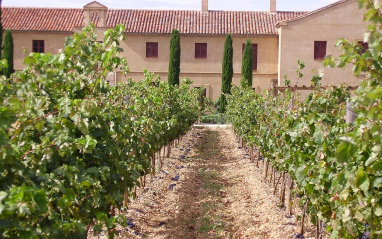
(234, 5)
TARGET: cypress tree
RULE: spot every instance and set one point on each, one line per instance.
(227, 72)
(8, 53)
(247, 65)
(174, 64)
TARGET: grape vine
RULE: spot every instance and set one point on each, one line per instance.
(336, 166)
(72, 145)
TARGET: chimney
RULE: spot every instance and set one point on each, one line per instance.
(204, 5)
(96, 13)
(272, 7)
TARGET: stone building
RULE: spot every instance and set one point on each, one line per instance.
(279, 38)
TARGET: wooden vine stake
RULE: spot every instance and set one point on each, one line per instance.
(169, 150)
(288, 195)
(152, 166)
(274, 192)
(266, 164)
(271, 173)
(319, 229)
(282, 192)
(350, 115)
(126, 199)
(303, 219)
(258, 158)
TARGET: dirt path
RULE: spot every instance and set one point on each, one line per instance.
(208, 189)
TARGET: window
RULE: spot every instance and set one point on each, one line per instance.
(151, 49)
(204, 92)
(200, 50)
(254, 55)
(319, 50)
(38, 46)
(363, 47)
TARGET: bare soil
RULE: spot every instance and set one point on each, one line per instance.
(208, 188)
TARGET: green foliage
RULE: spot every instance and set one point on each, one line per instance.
(174, 64)
(8, 53)
(227, 72)
(286, 82)
(336, 166)
(72, 145)
(247, 65)
(213, 119)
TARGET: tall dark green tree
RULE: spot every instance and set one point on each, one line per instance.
(8, 53)
(227, 72)
(174, 64)
(247, 65)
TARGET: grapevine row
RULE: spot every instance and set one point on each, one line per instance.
(72, 146)
(336, 166)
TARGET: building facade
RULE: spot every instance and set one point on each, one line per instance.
(278, 38)
(312, 36)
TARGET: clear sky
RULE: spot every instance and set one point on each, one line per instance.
(237, 5)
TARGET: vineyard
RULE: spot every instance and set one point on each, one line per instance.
(311, 153)
(73, 147)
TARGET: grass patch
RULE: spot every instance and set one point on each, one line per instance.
(211, 219)
(213, 119)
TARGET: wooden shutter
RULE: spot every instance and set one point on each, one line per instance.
(363, 47)
(200, 50)
(319, 50)
(254, 54)
(151, 49)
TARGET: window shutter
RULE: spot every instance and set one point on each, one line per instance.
(364, 46)
(155, 49)
(204, 50)
(319, 50)
(148, 49)
(316, 50)
(254, 54)
(200, 50)
(323, 50)
(151, 49)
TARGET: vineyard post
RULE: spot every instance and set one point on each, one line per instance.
(303, 219)
(282, 192)
(288, 194)
(258, 158)
(168, 149)
(266, 164)
(350, 116)
(271, 170)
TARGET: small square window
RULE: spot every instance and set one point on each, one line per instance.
(151, 49)
(200, 50)
(204, 92)
(38, 46)
(363, 47)
(319, 50)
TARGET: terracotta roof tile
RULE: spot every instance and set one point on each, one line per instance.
(149, 21)
(41, 19)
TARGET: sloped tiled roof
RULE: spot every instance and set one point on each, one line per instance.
(197, 22)
(41, 19)
(149, 21)
(314, 12)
